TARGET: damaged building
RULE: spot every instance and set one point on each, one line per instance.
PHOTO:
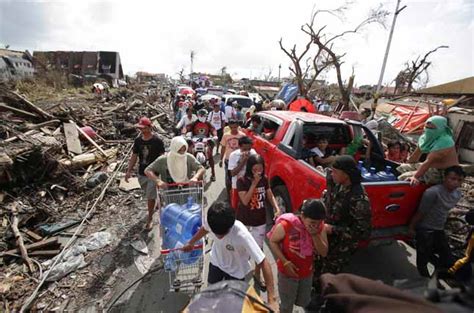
(87, 64)
(15, 65)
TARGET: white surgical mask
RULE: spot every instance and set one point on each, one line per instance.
(202, 119)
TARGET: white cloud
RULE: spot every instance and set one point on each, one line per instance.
(157, 36)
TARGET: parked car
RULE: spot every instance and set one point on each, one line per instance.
(293, 180)
(244, 101)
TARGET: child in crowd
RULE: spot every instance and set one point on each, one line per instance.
(394, 151)
(323, 155)
(430, 219)
(254, 196)
(232, 248)
(462, 269)
(294, 240)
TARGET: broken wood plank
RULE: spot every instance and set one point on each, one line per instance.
(40, 125)
(33, 246)
(133, 104)
(72, 138)
(19, 238)
(90, 139)
(153, 108)
(45, 253)
(32, 234)
(157, 116)
(17, 111)
(32, 106)
(30, 132)
(86, 159)
(158, 127)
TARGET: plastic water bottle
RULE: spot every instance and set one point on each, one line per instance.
(187, 257)
(169, 215)
(170, 262)
(187, 224)
(362, 168)
(387, 175)
(191, 205)
(169, 238)
(371, 175)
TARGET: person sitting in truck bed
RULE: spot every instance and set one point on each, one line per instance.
(394, 151)
(269, 129)
(437, 142)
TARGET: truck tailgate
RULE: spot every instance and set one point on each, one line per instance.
(393, 203)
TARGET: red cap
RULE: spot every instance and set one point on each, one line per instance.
(144, 122)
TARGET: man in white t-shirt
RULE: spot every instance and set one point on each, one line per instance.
(233, 247)
(237, 164)
(187, 119)
(218, 120)
(230, 112)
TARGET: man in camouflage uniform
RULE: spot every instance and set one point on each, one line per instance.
(349, 217)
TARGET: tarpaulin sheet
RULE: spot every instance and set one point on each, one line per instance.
(416, 117)
(287, 93)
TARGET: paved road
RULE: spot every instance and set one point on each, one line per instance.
(387, 263)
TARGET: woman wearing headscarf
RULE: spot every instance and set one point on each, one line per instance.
(438, 145)
(176, 166)
(348, 219)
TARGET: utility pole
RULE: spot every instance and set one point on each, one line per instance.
(192, 63)
(279, 70)
(397, 11)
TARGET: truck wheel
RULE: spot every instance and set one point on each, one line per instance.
(282, 197)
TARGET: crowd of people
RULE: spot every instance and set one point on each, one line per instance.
(322, 235)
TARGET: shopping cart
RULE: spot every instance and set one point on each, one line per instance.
(185, 272)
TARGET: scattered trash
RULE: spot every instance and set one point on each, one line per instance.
(67, 266)
(140, 246)
(96, 179)
(97, 240)
(49, 229)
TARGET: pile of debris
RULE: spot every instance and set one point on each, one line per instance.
(58, 160)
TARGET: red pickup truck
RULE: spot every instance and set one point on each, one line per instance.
(293, 180)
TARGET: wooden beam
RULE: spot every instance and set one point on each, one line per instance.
(19, 238)
(33, 246)
(45, 253)
(30, 132)
(32, 234)
(33, 107)
(17, 111)
(36, 126)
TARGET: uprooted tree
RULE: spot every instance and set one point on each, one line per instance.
(325, 55)
(414, 72)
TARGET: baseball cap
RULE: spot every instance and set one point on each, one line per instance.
(144, 122)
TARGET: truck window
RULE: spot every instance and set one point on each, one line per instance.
(270, 128)
(338, 134)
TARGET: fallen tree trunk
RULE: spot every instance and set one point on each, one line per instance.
(19, 238)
